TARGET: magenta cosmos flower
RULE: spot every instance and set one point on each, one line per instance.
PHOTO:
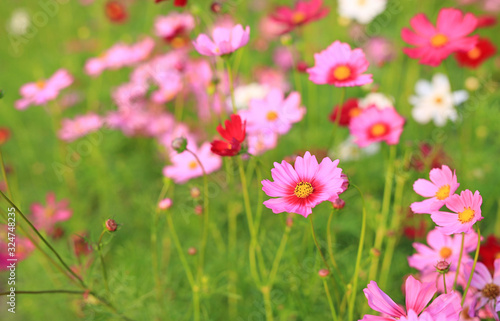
(487, 288)
(376, 125)
(73, 129)
(40, 92)
(467, 211)
(434, 44)
(225, 41)
(303, 13)
(340, 66)
(443, 183)
(175, 28)
(418, 296)
(45, 217)
(300, 189)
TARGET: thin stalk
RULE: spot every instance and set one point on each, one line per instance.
(330, 250)
(444, 283)
(459, 260)
(476, 256)
(330, 303)
(4, 173)
(155, 244)
(317, 244)
(267, 302)
(44, 240)
(358, 257)
(104, 272)
(279, 255)
(45, 292)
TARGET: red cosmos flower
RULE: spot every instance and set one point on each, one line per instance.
(490, 251)
(234, 135)
(303, 13)
(349, 110)
(483, 50)
(4, 135)
(486, 21)
(116, 11)
(177, 3)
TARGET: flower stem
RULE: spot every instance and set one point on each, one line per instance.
(82, 284)
(267, 302)
(444, 283)
(329, 297)
(317, 244)
(231, 88)
(358, 257)
(459, 261)
(279, 255)
(4, 173)
(45, 292)
(330, 250)
(101, 257)
(476, 256)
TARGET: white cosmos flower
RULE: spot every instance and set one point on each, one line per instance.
(243, 94)
(378, 100)
(435, 101)
(363, 11)
(19, 22)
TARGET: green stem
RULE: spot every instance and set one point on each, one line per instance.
(329, 297)
(381, 231)
(4, 173)
(44, 240)
(101, 257)
(317, 244)
(358, 257)
(330, 250)
(44, 292)
(267, 302)
(231, 88)
(444, 283)
(476, 256)
(459, 261)
(279, 255)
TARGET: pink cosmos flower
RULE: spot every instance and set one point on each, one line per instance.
(45, 217)
(441, 247)
(274, 112)
(169, 85)
(418, 296)
(340, 66)
(175, 28)
(467, 211)
(442, 185)
(379, 50)
(303, 13)
(225, 41)
(79, 127)
(120, 55)
(185, 166)
(40, 92)
(434, 44)
(376, 125)
(261, 141)
(24, 247)
(300, 189)
(487, 288)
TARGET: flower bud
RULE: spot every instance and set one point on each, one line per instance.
(192, 250)
(302, 66)
(165, 204)
(195, 192)
(179, 144)
(289, 221)
(198, 210)
(4, 135)
(323, 273)
(345, 184)
(338, 204)
(111, 225)
(216, 7)
(442, 266)
(375, 252)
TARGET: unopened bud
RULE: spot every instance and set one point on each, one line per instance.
(4, 135)
(198, 210)
(165, 204)
(289, 221)
(338, 204)
(375, 252)
(179, 144)
(111, 225)
(216, 7)
(195, 192)
(442, 266)
(323, 273)
(302, 66)
(345, 184)
(192, 251)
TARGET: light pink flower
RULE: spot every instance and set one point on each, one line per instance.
(300, 188)
(45, 217)
(23, 249)
(40, 92)
(175, 28)
(118, 56)
(418, 296)
(170, 84)
(225, 41)
(442, 185)
(272, 77)
(467, 211)
(274, 112)
(376, 125)
(80, 126)
(185, 166)
(261, 141)
(434, 44)
(487, 288)
(379, 50)
(340, 66)
(165, 203)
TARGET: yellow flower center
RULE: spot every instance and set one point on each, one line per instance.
(378, 130)
(193, 164)
(178, 42)
(361, 2)
(474, 53)
(497, 256)
(298, 17)
(439, 40)
(491, 291)
(40, 84)
(272, 116)
(355, 112)
(342, 72)
(438, 100)
(303, 190)
(466, 215)
(445, 252)
(443, 192)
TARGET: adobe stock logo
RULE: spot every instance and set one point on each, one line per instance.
(48, 9)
